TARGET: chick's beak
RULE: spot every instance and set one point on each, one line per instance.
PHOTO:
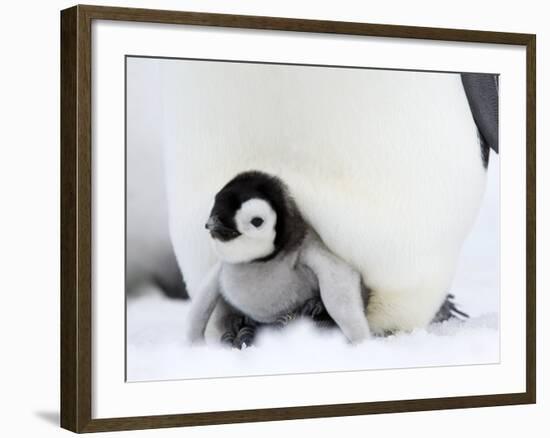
(213, 222)
(219, 231)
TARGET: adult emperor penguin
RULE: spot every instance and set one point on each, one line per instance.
(388, 166)
(272, 263)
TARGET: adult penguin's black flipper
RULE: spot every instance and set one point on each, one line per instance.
(482, 94)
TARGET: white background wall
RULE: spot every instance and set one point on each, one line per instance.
(29, 227)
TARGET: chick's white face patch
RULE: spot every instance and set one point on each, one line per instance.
(256, 221)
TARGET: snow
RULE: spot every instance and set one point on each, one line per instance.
(155, 325)
(156, 350)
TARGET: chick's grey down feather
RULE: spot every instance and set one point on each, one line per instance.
(299, 268)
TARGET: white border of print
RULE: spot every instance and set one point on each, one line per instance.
(113, 397)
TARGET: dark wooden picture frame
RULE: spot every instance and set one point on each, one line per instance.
(76, 218)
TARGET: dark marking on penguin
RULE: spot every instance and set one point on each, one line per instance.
(482, 93)
(448, 310)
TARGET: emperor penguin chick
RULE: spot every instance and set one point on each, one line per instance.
(272, 262)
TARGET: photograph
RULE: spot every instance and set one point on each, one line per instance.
(295, 218)
(274, 219)
(267, 218)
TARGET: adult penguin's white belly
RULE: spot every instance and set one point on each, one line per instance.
(386, 165)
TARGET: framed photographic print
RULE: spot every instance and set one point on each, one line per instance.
(271, 218)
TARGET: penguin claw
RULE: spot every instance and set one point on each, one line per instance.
(315, 309)
(228, 338)
(241, 331)
(449, 310)
(284, 320)
(244, 338)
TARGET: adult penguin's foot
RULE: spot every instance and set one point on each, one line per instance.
(448, 310)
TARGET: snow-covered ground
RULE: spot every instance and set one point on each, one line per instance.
(156, 351)
(155, 324)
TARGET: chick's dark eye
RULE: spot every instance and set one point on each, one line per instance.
(257, 221)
